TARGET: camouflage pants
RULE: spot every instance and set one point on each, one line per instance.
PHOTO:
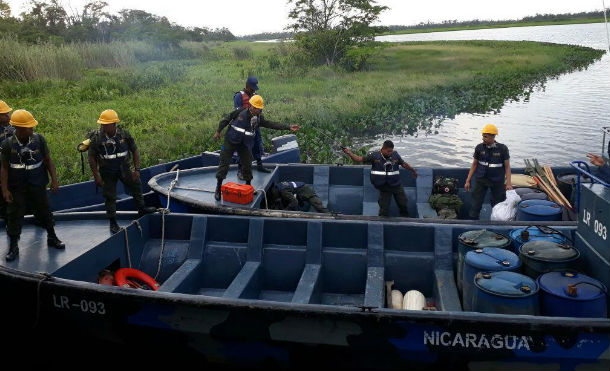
(245, 159)
(385, 197)
(304, 193)
(36, 197)
(109, 190)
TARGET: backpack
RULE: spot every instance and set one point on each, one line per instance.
(445, 185)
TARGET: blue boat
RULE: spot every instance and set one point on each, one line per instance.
(86, 196)
(292, 292)
(345, 190)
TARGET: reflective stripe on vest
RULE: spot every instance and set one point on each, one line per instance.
(490, 165)
(26, 167)
(243, 131)
(118, 155)
(385, 172)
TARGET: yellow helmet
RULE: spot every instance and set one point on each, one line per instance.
(490, 129)
(109, 116)
(4, 108)
(257, 101)
(23, 119)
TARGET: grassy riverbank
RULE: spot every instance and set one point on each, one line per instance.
(501, 25)
(172, 107)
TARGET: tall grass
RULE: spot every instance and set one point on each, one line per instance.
(21, 62)
(172, 108)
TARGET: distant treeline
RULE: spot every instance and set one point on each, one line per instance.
(267, 36)
(479, 22)
(49, 21)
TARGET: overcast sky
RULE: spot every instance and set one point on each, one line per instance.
(245, 17)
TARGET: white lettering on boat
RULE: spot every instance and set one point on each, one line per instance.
(598, 227)
(85, 306)
(476, 341)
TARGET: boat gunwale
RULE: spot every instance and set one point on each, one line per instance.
(235, 210)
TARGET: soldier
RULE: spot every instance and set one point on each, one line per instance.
(241, 100)
(385, 176)
(240, 136)
(491, 168)
(6, 131)
(26, 166)
(110, 150)
(290, 195)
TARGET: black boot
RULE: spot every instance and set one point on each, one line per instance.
(218, 191)
(53, 241)
(13, 250)
(114, 227)
(259, 167)
(146, 210)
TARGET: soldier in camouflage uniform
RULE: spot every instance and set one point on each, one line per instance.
(290, 195)
(110, 150)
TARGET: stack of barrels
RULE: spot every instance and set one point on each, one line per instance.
(533, 271)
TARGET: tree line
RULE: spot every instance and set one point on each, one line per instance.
(49, 21)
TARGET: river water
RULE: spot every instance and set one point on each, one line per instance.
(558, 124)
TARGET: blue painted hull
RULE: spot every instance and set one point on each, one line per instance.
(267, 291)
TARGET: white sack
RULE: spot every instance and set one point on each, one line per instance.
(507, 209)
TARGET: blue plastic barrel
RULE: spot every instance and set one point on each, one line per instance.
(477, 239)
(531, 194)
(489, 259)
(505, 293)
(534, 233)
(538, 210)
(569, 294)
(539, 257)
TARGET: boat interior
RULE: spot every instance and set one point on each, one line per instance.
(339, 263)
(344, 189)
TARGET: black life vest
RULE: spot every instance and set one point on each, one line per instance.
(385, 170)
(113, 152)
(26, 165)
(490, 163)
(243, 128)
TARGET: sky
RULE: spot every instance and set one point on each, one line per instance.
(243, 17)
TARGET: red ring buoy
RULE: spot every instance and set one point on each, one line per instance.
(122, 275)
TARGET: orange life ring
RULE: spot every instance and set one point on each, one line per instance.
(121, 277)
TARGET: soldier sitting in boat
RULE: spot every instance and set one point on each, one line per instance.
(240, 137)
(109, 151)
(444, 198)
(385, 176)
(292, 195)
(6, 131)
(491, 168)
(26, 166)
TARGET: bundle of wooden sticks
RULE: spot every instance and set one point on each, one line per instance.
(545, 179)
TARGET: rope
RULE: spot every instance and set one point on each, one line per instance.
(164, 212)
(45, 277)
(127, 247)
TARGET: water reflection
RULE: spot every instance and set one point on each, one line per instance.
(556, 125)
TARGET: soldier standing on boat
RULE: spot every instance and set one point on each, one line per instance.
(491, 168)
(110, 150)
(6, 131)
(385, 176)
(241, 101)
(26, 166)
(240, 137)
(290, 195)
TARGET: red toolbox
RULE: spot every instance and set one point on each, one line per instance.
(237, 193)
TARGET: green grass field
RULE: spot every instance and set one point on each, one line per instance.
(502, 25)
(172, 107)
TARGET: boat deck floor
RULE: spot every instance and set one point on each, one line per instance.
(35, 256)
